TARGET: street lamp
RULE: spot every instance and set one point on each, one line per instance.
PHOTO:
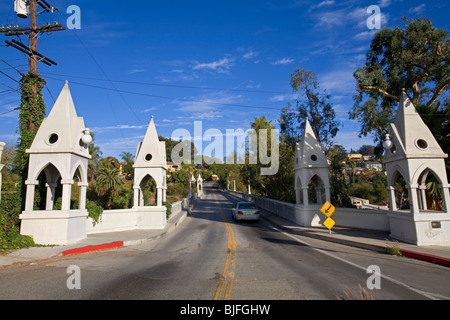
(86, 138)
(387, 143)
(192, 179)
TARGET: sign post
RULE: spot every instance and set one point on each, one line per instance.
(328, 209)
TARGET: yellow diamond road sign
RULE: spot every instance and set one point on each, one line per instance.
(329, 223)
(328, 209)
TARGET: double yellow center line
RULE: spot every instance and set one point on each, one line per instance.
(226, 279)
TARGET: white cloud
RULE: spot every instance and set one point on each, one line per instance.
(113, 147)
(285, 97)
(418, 10)
(250, 55)
(133, 71)
(356, 16)
(384, 3)
(207, 102)
(220, 66)
(9, 138)
(349, 139)
(250, 84)
(9, 113)
(323, 4)
(338, 81)
(150, 109)
(117, 127)
(205, 115)
(365, 35)
(283, 61)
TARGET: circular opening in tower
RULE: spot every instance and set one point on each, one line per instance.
(148, 157)
(53, 138)
(422, 144)
(314, 158)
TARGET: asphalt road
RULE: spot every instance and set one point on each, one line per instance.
(212, 257)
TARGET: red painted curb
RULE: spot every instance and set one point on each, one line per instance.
(426, 257)
(93, 248)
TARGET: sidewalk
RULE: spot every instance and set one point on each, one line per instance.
(365, 239)
(93, 242)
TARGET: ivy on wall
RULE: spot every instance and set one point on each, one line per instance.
(32, 113)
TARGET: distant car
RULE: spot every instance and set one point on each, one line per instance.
(245, 211)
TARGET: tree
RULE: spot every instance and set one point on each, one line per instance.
(338, 179)
(252, 172)
(314, 106)
(181, 145)
(108, 183)
(9, 175)
(128, 157)
(110, 162)
(94, 162)
(367, 150)
(416, 58)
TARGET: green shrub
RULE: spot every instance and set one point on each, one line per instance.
(10, 237)
(177, 189)
(94, 211)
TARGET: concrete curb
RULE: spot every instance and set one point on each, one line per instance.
(105, 246)
(426, 257)
(172, 224)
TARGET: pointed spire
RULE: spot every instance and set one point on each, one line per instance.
(410, 135)
(64, 106)
(309, 152)
(62, 129)
(151, 151)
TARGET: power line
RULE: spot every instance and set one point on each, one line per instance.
(198, 101)
(167, 98)
(15, 109)
(101, 69)
(189, 87)
(173, 85)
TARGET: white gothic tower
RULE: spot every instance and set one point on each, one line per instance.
(412, 153)
(150, 162)
(60, 151)
(311, 166)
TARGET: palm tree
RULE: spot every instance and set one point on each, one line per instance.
(108, 183)
(93, 164)
(434, 195)
(128, 157)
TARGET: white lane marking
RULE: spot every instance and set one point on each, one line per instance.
(428, 295)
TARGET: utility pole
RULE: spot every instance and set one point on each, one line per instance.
(32, 107)
(32, 61)
(33, 31)
(31, 50)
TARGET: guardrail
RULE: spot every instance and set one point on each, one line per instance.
(310, 216)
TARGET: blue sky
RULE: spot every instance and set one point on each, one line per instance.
(131, 60)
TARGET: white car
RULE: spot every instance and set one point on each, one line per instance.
(245, 211)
